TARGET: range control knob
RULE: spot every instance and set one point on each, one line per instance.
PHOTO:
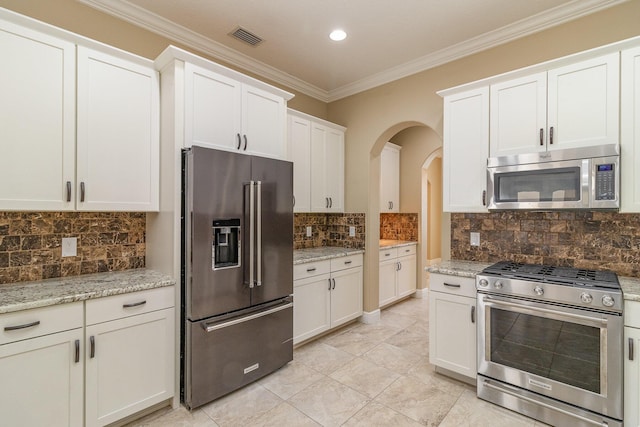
(586, 298)
(608, 301)
(483, 283)
(497, 284)
(538, 291)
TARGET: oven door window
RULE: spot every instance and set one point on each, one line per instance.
(544, 185)
(558, 350)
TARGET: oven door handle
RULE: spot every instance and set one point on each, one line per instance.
(534, 310)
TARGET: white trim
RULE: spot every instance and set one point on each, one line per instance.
(370, 317)
(542, 21)
(421, 293)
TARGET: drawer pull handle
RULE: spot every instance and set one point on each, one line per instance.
(451, 285)
(310, 270)
(77, 359)
(387, 254)
(347, 262)
(92, 350)
(25, 326)
(134, 304)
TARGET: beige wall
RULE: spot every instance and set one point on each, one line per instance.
(434, 212)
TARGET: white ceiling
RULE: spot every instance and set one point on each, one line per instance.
(387, 39)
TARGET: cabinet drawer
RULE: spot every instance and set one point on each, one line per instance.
(350, 261)
(456, 285)
(406, 250)
(125, 305)
(632, 314)
(310, 269)
(52, 319)
(388, 253)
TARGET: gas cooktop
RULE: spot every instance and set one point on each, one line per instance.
(557, 275)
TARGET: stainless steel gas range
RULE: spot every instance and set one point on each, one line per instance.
(550, 343)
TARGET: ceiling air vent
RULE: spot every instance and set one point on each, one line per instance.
(246, 36)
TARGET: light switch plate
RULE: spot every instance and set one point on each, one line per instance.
(352, 231)
(309, 231)
(475, 239)
(69, 246)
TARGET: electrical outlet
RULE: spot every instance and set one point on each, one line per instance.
(69, 246)
(352, 231)
(309, 232)
(475, 239)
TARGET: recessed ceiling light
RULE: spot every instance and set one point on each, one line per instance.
(337, 35)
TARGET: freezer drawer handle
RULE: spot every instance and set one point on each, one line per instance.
(134, 304)
(258, 232)
(25, 326)
(215, 327)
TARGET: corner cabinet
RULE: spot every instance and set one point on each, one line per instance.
(64, 112)
(326, 294)
(631, 354)
(316, 148)
(630, 131)
(465, 150)
(397, 274)
(452, 323)
(390, 178)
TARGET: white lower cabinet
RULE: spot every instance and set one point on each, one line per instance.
(41, 367)
(452, 323)
(326, 294)
(397, 274)
(631, 364)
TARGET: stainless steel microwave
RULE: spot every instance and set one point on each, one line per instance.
(563, 179)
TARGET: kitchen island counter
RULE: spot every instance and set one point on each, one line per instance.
(43, 293)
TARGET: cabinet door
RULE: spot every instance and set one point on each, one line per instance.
(311, 307)
(387, 291)
(390, 179)
(43, 381)
(465, 150)
(452, 333)
(118, 134)
(583, 103)
(264, 121)
(300, 155)
(632, 378)
(319, 197)
(37, 120)
(346, 295)
(212, 111)
(406, 276)
(630, 131)
(518, 116)
(334, 169)
(129, 366)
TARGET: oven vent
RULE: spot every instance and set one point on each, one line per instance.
(246, 36)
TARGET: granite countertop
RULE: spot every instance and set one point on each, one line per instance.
(630, 288)
(42, 293)
(300, 256)
(458, 268)
(386, 243)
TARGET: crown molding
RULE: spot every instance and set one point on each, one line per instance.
(126, 11)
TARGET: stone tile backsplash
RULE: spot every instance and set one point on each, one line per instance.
(31, 243)
(399, 226)
(331, 229)
(590, 240)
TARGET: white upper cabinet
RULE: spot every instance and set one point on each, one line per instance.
(299, 137)
(465, 150)
(37, 120)
(84, 131)
(572, 106)
(390, 178)
(225, 113)
(630, 131)
(118, 134)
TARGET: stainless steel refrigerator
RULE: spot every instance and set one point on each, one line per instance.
(237, 279)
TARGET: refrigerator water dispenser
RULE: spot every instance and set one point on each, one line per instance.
(226, 244)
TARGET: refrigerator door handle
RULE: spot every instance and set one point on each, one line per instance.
(259, 233)
(216, 326)
(251, 230)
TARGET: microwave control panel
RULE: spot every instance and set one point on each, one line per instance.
(605, 182)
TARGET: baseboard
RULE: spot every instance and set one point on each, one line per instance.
(370, 317)
(421, 293)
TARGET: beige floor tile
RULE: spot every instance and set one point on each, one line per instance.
(377, 415)
(376, 331)
(242, 407)
(410, 341)
(425, 372)
(418, 401)
(283, 415)
(417, 307)
(321, 357)
(469, 411)
(290, 379)
(180, 417)
(392, 358)
(329, 402)
(395, 319)
(352, 342)
(364, 376)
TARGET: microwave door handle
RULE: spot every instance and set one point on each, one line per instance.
(259, 233)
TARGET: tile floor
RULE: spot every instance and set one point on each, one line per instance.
(360, 375)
